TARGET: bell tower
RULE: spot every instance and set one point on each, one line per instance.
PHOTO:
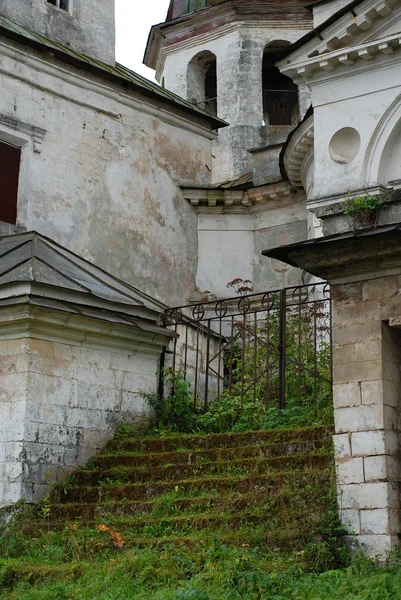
(86, 26)
(219, 55)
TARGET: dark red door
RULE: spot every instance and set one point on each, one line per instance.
(9, 172)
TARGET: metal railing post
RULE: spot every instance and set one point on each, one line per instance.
(282, 347)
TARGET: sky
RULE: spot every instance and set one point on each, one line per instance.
(133, 22)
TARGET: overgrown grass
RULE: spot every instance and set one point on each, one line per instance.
(201, 572)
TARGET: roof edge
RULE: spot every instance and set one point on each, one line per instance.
(317, 30)
(66, 55)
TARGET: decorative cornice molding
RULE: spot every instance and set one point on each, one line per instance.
(336, 204)
(298, 151)
(328, 62)
(103, 90)
(334, 48)
(36, 133)
(261, 197)
(26, 321)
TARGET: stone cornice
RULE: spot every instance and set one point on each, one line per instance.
(35, 133)
(167, 48)
(366, 52)
(346, 258)
(299, 149)
(333, 205)
(81, 86)
(250, 200)
(188, 25)
(22, 320)
(334, 48)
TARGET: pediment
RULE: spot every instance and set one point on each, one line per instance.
(368, 29)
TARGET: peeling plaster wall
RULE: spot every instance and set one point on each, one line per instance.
(104, 180)
(60, 402)
(13, 389)
(239, 56)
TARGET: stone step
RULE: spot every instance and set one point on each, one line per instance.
(173, 504)
(131, 459)
(223, 440)
(126, 475)
(294, 479)
(218, 523)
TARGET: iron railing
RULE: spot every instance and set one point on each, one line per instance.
(270, 346)
(209, 106)
(280, 106)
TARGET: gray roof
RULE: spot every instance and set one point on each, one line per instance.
(32, 264)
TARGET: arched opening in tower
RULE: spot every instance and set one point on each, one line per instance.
(202, 82)
(280, 94)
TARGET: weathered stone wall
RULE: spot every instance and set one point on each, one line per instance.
(103, 179)
(239, 55)
(367, 397)
(61, 401)
(88, 27)
(13, 389)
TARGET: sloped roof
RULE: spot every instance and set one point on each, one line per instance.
(49, 270)
(320, 28)
(118, 73)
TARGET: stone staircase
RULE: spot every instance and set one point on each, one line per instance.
(264, 489)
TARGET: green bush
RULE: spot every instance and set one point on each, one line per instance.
(177, 411)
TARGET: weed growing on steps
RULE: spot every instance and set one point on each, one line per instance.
(231, 412)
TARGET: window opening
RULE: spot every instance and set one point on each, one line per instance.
(202, 82)
(10, 158)
(280, 94)
(63, 4)
(193, 5)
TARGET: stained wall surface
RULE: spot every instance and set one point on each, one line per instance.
(100, 170)
(239, 57)
(88, 26)
(61, 402)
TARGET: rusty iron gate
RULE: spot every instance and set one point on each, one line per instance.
(269, 346)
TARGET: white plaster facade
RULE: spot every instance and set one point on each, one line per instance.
(85, 27)
(358, 51)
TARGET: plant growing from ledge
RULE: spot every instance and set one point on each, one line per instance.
(364, 210)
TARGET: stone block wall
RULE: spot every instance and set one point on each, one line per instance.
(61, 400)
(367, 396)
(13, 386)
